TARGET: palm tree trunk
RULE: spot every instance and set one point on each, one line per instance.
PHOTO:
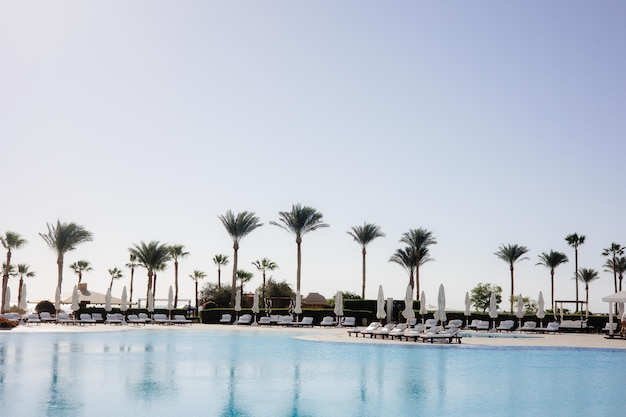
(111, 284)
(60, 271)
(620, 280)
(233, 288)
(298, 242)
(512, 287)
(552, 282)
(417, 281)
(176, 284)
(363, 288)
(264, 284)
(149, 285)
(80, 276)
(614, 274)
(576, 274)
(132, 274)
(587, 297)
(219, 279)
(196, 296)
(154, 278)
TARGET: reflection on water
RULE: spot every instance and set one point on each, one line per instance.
(189, 372)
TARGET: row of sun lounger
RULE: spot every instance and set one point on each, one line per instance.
(286, 321)
(402, 331)
(111, 318)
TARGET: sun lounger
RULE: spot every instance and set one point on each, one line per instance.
(607, 328)
(430, 323)
(397, 331)
(305, 322)
(573, 325)
(415, 332)
(349, 322)
(327, 321)
(144, 317)
(64, 318)
(448, 334)
(483, 325)
(46, 317)
(383, 331)
(529, 326)
(97, 317)
(160, 319)
(286, 321)
(506, 325)
(275, 318)
(180, 319)
(226, 319)
(114, 318)
(454, 323)
(264, 321)
(245, 319)
(552, 327)
(134, 319)
(473, 324)
(368, 330)
(85, 318)
(33, 318)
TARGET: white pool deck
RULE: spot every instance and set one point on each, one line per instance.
(575, 340)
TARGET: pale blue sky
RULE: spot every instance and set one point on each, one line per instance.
(484, 122)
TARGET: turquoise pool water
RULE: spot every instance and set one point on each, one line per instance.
(156, 372)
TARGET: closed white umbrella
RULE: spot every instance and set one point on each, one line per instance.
(408, 311)
(423, 307)
(75, 305)
(238, 303)
(107, 301)
(493, 308)
(339, 307)
(124, 302)
(541, 312)
(298, 307)
(519, 311)
(440, 314)
(255, 306)
(170, 301)
(468, 305)
(380, 304)
(23, 304)
(57, 299)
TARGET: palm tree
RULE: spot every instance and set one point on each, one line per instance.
(419, 240)
(587, 275)
(511, 254)
(614, 251)
(177, 251)
(363, 235)
(406, 259)
(243, 277)
(300, 221)
(23, 270)
(62, 238)
(11, 241)
(574, 240)
(196, 276)
(115, 274)
(151, 256)
(132, 265)
(617, 266)
(238, 227)
(552, 260)
(220, 260)
(79, 267)
(264, 265)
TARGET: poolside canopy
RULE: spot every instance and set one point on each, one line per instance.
(86, 296)
(618, 297)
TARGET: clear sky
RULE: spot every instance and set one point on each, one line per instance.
(485, 122)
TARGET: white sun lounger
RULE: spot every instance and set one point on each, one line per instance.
(529, 326)
(373, 325)
(180, 319)
(448, 334)
(33, 318)
(85, 318)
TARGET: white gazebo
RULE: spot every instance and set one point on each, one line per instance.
(618, 297)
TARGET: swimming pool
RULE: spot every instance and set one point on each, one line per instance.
(227, 373)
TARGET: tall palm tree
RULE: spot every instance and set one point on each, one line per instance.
(11, 241)
(197, 275)
(220, 260)
(23, 270)
(617, 266)
(419, 240)
(115, 273)
(132, 265)
(243, 277)
(177, 251)
(151, 256)
(62, 238)
(238, 227)
(587, 275)
(264, 265)
(406, 259)
(511, 254)
(575, 240)
(300, 221)
(363, 235)
(614, 251)
(552, 260)
(79, 267)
